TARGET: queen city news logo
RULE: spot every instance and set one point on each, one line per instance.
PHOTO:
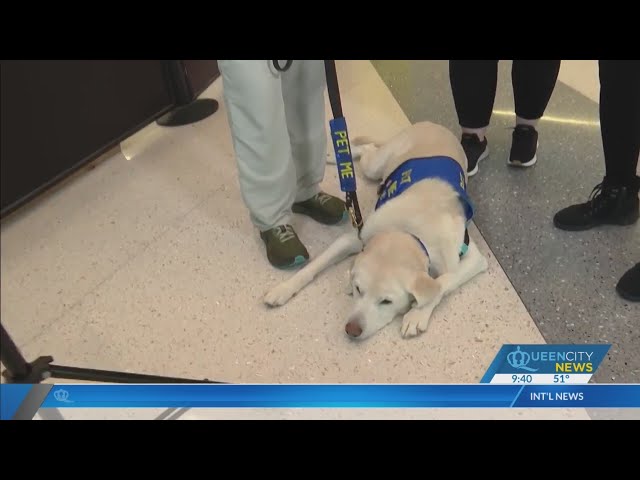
(545, 363)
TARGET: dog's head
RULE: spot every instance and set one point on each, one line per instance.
(386, 280)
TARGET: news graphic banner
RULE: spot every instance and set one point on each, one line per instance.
(520, 376)
(545, 364)
(82, 396)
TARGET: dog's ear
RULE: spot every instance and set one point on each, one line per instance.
(423, 288)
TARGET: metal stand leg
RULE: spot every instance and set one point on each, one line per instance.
(193, 112)
(19, 371)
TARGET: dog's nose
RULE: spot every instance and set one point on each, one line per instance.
(353, 329)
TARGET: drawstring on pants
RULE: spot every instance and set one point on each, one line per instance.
(276, 65)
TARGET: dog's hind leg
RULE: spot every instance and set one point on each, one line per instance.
(374, 160)
(346, 245)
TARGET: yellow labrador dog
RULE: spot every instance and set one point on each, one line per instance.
(413, 248)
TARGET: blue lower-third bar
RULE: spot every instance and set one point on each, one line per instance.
(342, 396)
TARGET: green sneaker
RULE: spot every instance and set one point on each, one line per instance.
(323, 208)
(284, 248)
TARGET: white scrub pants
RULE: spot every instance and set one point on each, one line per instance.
(278, 126)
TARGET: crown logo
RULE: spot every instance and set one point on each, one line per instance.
(520, 360)
(61, 395)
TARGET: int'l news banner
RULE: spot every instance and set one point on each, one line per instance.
(520, 376)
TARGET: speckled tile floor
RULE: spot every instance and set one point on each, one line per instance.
(325, 414)
(566, 280)
(148, 263)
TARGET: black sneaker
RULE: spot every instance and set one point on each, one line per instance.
(607, 204)
(475, 150)
(524, 146)
(629, 285)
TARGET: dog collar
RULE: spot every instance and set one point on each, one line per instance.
(463, 249)
(422, 245)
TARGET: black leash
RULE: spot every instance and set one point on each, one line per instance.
(340, 140)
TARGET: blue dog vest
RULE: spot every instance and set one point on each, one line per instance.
(417, 169)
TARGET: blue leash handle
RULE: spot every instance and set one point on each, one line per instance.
(342, 149)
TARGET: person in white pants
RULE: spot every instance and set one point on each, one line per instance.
(278, 125)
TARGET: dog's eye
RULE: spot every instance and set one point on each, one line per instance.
(386, 301)
(358, 290)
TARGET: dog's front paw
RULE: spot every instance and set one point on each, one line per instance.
(279, 295)
(415, 322)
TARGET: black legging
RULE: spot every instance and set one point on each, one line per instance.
(620, 119)
(474, 82)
